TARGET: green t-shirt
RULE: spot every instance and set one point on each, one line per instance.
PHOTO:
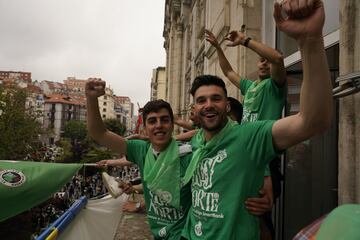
(263, 100)
(166, 222)
(229, 174)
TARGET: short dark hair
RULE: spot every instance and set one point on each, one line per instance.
(156, 106)
(236, 108)
(207, 80)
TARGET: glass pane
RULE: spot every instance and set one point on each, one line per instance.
(289, 46)
(332, 21)
(310, 168)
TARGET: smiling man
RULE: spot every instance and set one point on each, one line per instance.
(228, 165)
(161, 161)
(264, 99)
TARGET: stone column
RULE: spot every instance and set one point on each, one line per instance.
(349, 113)
(177, 66)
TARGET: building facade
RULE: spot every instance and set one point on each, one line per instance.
(107, 104)
(35, 101)
(25, 76)
(349, 106)
(59, 109)
(320, 173)
(75, 85)
(50, 87)
(128, 109)
(189, 55)
(120, 113)
(158, 84)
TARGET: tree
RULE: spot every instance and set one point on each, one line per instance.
(66, 154)
(19, 129)
(75, 130)
(97, 154)
(115, 126)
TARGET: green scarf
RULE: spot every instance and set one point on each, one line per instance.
(205, 147)
(253, 96)
(162, 175)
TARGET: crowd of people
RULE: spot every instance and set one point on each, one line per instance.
(91, 186)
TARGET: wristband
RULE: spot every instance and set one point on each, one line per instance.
(246, 42)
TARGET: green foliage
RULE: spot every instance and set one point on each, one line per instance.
(66, 153)
(19, 129)
(96, 154)
(115, 126)
(75, 130)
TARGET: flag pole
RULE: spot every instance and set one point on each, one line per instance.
(90, 164)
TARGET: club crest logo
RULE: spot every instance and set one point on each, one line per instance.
(12, 178)
(198, 229)
(164, 196)
(162, 232)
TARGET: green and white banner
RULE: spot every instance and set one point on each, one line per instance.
(25, 184)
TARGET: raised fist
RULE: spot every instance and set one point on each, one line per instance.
(95, 87)
(305, 19)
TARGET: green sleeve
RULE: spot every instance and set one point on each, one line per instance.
(267, 172)
(136, 151)
(259, 141)
(244, 85)
(279, 91)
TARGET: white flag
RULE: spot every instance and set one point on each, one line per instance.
(98, 220)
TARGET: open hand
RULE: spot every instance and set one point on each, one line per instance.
(258, 206)
(126, 187)
(105, 163)
(209, 36)
(235, 38)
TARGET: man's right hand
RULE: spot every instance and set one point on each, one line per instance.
(105, 163)
(126, 187)
(305, 19)
(209, 36)
(138, 137)
(95, 88)
(235, 38)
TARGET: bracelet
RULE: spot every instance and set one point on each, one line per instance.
(246, 42)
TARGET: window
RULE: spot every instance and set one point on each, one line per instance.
(289, 46)
(104, 109)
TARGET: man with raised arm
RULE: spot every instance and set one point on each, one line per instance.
(161, 161)
(264, 99)
(228, 165)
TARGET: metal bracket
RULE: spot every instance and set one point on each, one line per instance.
(348, 84)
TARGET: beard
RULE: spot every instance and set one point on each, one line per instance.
(215, 123)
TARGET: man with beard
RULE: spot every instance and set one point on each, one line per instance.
(161, 161)
(264, 99)
(229, 163)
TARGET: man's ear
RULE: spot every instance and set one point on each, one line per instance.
(228, 108)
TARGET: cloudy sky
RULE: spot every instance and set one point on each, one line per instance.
(118, 40)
